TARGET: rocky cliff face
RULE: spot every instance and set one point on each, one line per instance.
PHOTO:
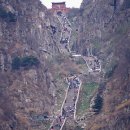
(105, 26)
(33, 71)
(26, 43)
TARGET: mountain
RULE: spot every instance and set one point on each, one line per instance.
(105, 25)
(36, 69)
(26, 44)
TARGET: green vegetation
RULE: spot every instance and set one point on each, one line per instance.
(98, 104)
(29, 61)
(47, 125)
(16, 63)
(8, 16)
(122, 29)
(127, 54)
(3, 13)
(111, 70)
(2, 89)
(59, 59)
(80, 61)
(84, 101)
(25, 62)
(96, 43)
(11, 17)
(78, 128)
(73, 12)
(126, 4)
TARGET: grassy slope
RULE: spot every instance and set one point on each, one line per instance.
(86, 93)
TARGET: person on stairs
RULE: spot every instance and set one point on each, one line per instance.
(52, 128)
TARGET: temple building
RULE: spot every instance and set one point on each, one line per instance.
(59, 7)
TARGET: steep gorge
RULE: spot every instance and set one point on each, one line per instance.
(33, 69)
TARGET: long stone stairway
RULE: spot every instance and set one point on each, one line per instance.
(65, 30)
(68, 108)
(92, 62)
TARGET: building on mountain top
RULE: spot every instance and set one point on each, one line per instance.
(59, 7)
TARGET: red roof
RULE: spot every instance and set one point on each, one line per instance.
(58, 2)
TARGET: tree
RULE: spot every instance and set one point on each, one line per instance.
(98, 103)
(25, 62)
(16, 62)
(29, 61)
(8, 16)
(126, 4)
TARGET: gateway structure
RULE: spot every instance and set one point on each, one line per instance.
(59, 7)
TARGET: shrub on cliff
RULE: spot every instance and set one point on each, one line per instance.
(2, 12)
(25, 62)
(8, 16)
(11, 17)
(127, 54)
(29, 61)
(126, 4)
(98, 103)
(78, 128)
(111, 71)
(16, 63)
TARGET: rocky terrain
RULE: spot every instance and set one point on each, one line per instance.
(26, 42)
(105, 25)
(33, 69)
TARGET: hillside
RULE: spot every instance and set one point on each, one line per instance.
(26, 44)
(105, 26)
(70, 69)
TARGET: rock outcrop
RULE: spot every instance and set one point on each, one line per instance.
(104, 25)
(33, 69)
(27, 42)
